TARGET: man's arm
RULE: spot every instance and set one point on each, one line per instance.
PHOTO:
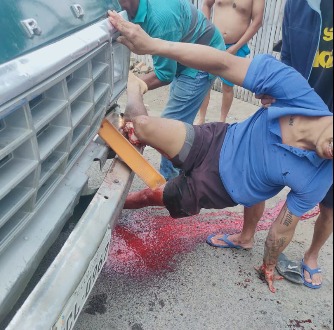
(207, 8)
(279, 237)
(200, 57)
(254, 26)
(153, 81)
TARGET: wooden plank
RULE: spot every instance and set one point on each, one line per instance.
(130, 155)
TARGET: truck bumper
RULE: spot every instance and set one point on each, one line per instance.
(54, 302)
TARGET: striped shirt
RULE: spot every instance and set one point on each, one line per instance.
(176, 20)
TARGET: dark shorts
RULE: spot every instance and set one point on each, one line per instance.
(328, 200)
(199, 184)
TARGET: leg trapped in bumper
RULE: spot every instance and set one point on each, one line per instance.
(199, 185)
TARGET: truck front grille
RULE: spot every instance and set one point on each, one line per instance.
(43, 132)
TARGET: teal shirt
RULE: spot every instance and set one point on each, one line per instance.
(176, 20)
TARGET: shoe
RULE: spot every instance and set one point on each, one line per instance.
(230, 245)
(290, 270)
(311, 272)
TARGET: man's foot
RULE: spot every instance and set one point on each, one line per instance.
(313, 279)
(231, 241)
(134, 83)
(144, 198)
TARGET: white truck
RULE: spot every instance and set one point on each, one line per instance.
(61, 73)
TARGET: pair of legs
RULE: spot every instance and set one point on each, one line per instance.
(227, 89)
(185, 97)
(227, 101)
(322, 230)
(165, 135)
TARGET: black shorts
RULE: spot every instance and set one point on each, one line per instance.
(199, 185)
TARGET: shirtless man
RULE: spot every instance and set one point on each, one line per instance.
(238, 21)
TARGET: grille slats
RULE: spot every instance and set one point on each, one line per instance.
(46, 111)
(41, 140)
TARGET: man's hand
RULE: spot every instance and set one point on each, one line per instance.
(268, 274)
(266, 100)
(232, 50)
(132, 35)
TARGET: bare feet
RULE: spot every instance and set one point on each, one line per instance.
(236, 239)
(144, 198)
(312, 262)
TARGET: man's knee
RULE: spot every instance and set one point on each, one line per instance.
(254, 212)
(326, 213)
(227, 89)
(142, 126)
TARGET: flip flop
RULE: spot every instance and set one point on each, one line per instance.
(289, 269)
(230, 245)
(311, 272)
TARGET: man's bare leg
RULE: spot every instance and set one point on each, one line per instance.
(136, 88)
(322, 230)
(203, 109)
(226, 102)
(165, 135)
(245, 239)
(144, 198)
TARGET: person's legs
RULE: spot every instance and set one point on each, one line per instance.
(136, 88)
(245, 239)
(186, 97)
(155, 132)
(203, 109)
(322, 230)
(228, 93)
(144, 198)
(227, 101)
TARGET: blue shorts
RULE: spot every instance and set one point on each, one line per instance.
(242, 52)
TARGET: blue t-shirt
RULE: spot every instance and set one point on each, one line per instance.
(176, 20)
(254, 163)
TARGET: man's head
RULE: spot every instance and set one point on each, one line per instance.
(130, 6)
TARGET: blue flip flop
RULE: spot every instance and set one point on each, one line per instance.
(230, 245)
(311, 272)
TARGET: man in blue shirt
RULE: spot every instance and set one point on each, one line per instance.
(176, 20)
(223, 165)
(308, 47)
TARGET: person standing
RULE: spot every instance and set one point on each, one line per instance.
(176, 20)
(307, 46)
(238, 21)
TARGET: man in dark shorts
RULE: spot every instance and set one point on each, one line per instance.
(290, 144)
(307, 46)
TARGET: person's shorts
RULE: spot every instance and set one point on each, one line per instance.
(199, 185)
(242, 52)
(328, 200)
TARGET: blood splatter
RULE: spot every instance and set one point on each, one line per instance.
(149, 242)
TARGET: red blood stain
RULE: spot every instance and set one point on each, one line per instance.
(148, 242)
